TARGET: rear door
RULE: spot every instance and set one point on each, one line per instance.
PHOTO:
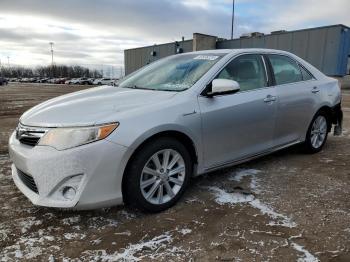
(238, 125)
(297, 96)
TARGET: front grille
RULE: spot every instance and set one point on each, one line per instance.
(29, 135)
(28, 181)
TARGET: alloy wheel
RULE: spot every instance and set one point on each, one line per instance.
(318, 131)
(162, 176)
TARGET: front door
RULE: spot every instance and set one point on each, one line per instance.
(239, 125)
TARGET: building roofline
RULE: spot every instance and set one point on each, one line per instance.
(156, 45)
(312, 28)
(292, 31)
(205, 35)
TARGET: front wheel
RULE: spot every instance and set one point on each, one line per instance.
(158, 175)
(317, 133)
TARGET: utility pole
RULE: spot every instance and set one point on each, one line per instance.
(51, 45)
(8, 61)
(233, 17)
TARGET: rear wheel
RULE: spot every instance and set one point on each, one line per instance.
(317, 133)
(158, 175)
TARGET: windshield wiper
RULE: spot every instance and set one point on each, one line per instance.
(140, 87)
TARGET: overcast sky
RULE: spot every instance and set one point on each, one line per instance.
(96, 32)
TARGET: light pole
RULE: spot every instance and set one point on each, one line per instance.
(51, 45)
(233, 17)
(8, 61)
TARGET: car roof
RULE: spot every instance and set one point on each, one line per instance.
(238, 51)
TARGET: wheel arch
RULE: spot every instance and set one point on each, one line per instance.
(180, 136)
(329, 114)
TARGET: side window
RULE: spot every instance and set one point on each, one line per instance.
(247, 70)
(285, 70)
(306, 74)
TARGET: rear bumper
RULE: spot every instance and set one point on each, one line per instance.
(337, 119)
(95, 170)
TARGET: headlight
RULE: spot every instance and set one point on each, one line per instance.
(65, 138)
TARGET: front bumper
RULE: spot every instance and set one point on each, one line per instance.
(100, 165)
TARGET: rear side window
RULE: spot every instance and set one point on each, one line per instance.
(286, 70)
(247, 70)
(306, 74)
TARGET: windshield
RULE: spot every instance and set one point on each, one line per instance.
(176, 73)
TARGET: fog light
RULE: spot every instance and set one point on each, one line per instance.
(68, 192)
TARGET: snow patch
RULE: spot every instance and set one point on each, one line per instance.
(134, 251)
(71, 220)
(102, 222)
(185, 231)
(96, 241)
(222, 197)
(28, 222)
(282, 220)
(4, 234)
(27, 248)
(241, 173)
(70, 236)
(126, 233)
(307, 256)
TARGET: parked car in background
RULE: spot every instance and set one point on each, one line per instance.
(68, 81)
(116, 82)
(3, 81)
(104, 81)
(79, 81)
(181, 116)
(73, 81)
(43, 80)
(97, 81)
(84, 81)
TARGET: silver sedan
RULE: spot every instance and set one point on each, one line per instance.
(184, 115)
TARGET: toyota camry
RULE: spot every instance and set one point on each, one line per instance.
(140, 142)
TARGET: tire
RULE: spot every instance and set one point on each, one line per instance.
(317, 133)
(165, 191)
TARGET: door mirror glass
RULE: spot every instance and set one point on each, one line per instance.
(223, 86)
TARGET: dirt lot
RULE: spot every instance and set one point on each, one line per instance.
(285, 207)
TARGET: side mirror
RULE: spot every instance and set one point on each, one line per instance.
(222, 87)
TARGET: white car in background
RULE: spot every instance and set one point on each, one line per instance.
(104, 81)
(72, 81)
(97, 81)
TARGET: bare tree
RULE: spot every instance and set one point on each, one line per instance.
(47, 71)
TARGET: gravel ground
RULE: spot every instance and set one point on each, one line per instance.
(288, 206)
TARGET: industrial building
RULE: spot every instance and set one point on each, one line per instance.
(327, 48)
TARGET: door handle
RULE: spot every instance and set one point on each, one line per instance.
(269, 98)
(315, 90)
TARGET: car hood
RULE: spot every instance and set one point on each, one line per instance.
(91, 106)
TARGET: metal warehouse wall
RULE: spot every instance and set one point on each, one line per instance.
(327, 48)
(139, 57)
